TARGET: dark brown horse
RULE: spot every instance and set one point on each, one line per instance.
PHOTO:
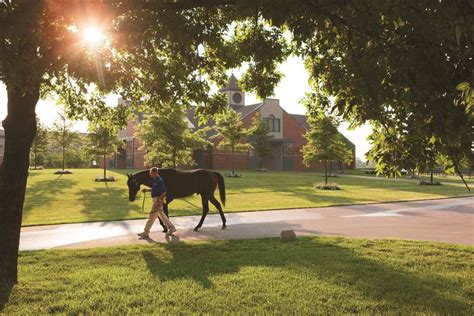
(180, 184)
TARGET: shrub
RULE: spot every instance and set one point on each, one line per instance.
(329, 186)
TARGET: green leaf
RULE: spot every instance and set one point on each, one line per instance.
(458, 31)
(463, 86)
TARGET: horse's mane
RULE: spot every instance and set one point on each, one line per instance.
(165, 170)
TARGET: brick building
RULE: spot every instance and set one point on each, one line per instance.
(287, 130)
(2, 144)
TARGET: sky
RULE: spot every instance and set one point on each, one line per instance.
(290, 91)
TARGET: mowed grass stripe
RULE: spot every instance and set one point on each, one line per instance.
(53, 199)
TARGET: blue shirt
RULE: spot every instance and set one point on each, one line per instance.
(157, 187)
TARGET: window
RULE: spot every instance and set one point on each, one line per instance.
(237, 97)
(288, 149)
(273, 123)
(276, 125)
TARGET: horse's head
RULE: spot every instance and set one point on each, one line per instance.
(133, 187)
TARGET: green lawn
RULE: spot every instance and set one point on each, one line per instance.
(78, 198)
(318, 275)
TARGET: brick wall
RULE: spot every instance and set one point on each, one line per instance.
(294, 131)
(291, 130)
(138, 155)
(223, 160)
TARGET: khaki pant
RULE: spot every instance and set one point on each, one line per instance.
(157, 211)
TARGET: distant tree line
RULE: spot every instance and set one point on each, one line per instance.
(60, 146)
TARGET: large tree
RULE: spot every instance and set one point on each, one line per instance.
(168, 139)
(231, 133)
(151, 52)
(409, 148)
(386, 61)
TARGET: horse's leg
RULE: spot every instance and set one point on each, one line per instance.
(205, 210)
(216, 203)
(161, 222)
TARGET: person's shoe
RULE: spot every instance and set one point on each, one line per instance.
(171, 231)
(143, 235)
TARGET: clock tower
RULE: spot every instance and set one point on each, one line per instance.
(235, 95)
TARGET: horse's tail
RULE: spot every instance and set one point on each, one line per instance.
(220, 182)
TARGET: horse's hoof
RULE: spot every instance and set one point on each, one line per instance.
(196, 229)
(165, 230)
(224, 226)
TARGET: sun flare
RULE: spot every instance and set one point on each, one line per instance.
(93, 35)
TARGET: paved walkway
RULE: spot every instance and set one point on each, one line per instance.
(446, 220)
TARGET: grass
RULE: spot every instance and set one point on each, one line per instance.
(317, 275)
(52, 199)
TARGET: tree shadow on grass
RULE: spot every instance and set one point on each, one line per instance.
(372, 278)
(45, 192)
(107, 203)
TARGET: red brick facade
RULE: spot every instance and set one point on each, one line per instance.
(292, 143)
(288, 140)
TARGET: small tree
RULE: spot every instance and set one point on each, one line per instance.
(325, 143)
(232, 134)
(39, 145)
(261, 139)
(63, 136)
(168, 138)
(103, 141)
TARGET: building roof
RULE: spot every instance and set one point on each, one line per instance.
(301, 119)
(232, 84)
(245, 110)
(194, 120)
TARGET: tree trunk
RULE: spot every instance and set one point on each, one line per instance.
(105, 166)
(20, 129)
(431, 175)
(64, 145)
(325, 172)
(174, 159)
(233, 162)
(35, 155)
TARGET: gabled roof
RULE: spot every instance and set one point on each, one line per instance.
(244, 111)
(191, 116)
(301, 119)
(247, 109)
(232, 84)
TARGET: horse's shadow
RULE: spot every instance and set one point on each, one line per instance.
(330, 262)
